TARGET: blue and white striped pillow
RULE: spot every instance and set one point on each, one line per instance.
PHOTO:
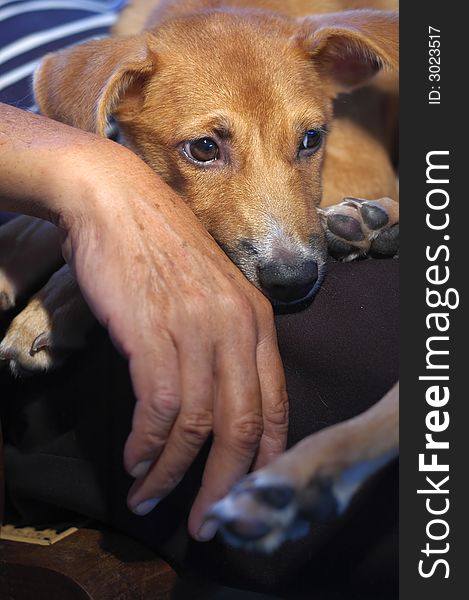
(31, 28)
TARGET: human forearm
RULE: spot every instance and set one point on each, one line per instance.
(46, 166)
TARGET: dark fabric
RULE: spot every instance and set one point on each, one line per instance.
(65, 434)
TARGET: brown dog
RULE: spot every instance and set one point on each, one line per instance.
(231, 103)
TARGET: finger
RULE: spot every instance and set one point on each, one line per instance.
(274, 400)
(155, 377)
(237, 428)
(191, 428)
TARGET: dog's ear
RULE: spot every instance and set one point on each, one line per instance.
(83, 85)
(349, 48)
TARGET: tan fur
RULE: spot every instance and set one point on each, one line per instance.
(172, 84)
(137, 13)
(343, 174)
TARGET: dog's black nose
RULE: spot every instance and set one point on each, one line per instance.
(288, 281)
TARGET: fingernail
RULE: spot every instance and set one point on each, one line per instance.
(145, 507)
(141, 469)
(207, 531)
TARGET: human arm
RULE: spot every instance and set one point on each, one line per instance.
(199, 337)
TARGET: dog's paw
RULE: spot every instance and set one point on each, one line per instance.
(274, 505)
(55, 322)
(27, 345)
(356, 228)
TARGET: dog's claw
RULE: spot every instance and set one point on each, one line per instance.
(356, 228)
(40, 343)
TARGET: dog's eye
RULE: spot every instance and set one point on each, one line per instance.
(311, 142)
(203, 150)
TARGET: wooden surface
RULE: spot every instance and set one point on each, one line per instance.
(88, 565)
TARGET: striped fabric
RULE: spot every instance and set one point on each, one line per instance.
(31, 28)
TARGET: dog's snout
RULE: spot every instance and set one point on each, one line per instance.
(288, 281)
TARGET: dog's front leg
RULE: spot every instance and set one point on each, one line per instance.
(315, 480)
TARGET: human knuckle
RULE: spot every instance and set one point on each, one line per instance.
(276, 412)
(150, 438)
(196, 306)
(166, 402)
(246, 431)
(196, 426)
(238, 307)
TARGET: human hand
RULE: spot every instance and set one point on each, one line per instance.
(200, 339)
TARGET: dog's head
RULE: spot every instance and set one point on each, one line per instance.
(232, 109)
